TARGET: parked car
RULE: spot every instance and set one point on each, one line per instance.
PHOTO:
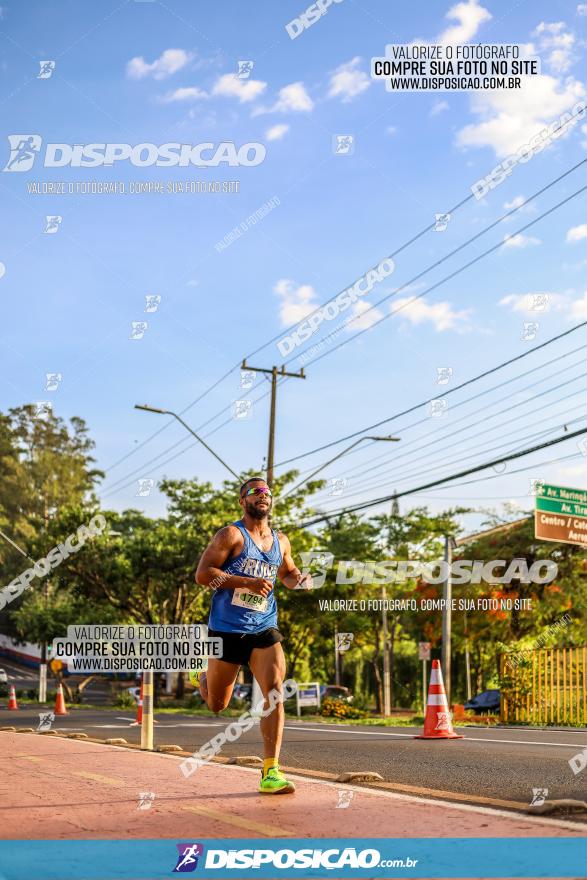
(487, 701)
(335, 692)
(3, 677)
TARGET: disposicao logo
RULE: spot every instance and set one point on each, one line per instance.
(188, 855)
(24, 149)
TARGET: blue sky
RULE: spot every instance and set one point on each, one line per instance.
(142, 72)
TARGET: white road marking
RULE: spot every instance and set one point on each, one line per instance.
(161, 726)
(521, 742)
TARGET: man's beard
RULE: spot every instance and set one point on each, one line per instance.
(258, 512)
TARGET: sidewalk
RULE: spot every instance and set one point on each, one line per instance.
(57, 788)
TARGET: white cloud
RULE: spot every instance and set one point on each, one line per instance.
(168, 63)
(555, 45)
(439, 107)
(292, 98)
(577, 233)
(440, 314)
(188, 93)
(363, 317)
(469, 17)
(230, 86)
(582, 9)
(276, 132)
(297, 301)
(348, 81)
(517, 202)
(510, 118)
(520, 241)
(391, 129)
(578, 310)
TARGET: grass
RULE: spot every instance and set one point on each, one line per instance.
(373, 721)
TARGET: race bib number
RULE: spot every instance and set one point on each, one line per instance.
(245, 599)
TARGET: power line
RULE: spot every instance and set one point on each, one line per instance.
(428, 400)
(419, 296)
(251, 354)
(486, 391)
(277, 336)
(449, 277)
(366, 504)
(462, 458)
(486, 417)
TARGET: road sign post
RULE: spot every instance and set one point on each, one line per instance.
(147, 721)
(307, 694)
(42, 682)
(424, 656)
(560, 514)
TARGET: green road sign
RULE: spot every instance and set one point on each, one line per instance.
(564, 507)
(560, 493)
(561, 514)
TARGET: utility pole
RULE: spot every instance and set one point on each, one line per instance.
(386, 669)
(147, 720)
(274, 372)
(467, 660)
(336, 656)
(449, 544)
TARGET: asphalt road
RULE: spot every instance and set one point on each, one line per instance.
(498, 764)
(19, 676)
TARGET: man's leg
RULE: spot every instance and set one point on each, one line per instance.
(217, 683)
(268, 667)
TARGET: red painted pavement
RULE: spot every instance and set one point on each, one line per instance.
(54, 788)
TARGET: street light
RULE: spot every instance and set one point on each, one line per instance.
(168, 412)
(340, 454)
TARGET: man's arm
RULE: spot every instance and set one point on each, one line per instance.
(226, 543)
(288, 573)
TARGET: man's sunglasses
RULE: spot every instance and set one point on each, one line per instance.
(259, 490)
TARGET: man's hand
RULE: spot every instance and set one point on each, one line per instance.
(305, 582)
(260, 586)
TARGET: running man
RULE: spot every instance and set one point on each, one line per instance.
(240, 564)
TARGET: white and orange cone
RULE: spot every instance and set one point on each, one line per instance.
(438, 720)
(139, 719)
(12, 704)
(60, 702)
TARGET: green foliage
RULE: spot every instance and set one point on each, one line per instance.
(141, 569)
(333, 708)
(125, 700)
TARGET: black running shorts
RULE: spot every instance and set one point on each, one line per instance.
(237, 647)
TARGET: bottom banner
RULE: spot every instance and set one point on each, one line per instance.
(300, 857)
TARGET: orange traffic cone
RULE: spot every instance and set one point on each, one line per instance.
(60, 702)
(438, 721)
(12, 704)
(139, 718)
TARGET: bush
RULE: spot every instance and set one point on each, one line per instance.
(332, 708)
(124, 700)
(363, 702)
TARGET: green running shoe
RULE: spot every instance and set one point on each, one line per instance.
(275, 783)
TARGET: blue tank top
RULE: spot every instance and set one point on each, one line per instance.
(239, 610)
